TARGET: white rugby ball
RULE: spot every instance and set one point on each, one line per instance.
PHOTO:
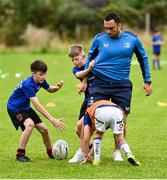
(60, 150)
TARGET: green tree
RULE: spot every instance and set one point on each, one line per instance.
(157, 13)
(73, 20)
(128, 14)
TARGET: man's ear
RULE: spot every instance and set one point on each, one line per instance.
(119, 25)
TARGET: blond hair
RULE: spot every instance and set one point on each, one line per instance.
(76, 50)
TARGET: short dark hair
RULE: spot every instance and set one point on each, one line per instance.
(38, 65)
(113, 16)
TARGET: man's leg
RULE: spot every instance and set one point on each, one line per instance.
(124, 103)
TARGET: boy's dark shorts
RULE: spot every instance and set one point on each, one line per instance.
(19, 117)
(119, 93)
(157, 53)
(83, 109)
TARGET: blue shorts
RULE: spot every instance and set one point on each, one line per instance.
(83, 109)
(156, 52)
(87, 120)
(119, 93)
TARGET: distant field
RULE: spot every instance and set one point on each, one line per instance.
(146, 126)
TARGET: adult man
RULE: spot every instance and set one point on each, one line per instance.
(112, 51)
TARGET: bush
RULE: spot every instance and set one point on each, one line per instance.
(158, 14)
(128, 14)
(10, 33)
(36, 38)
(73, 18)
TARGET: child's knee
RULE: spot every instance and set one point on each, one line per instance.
(79, 128)
(79, 125)
(77, 131)
(43, 130)
(29, 126)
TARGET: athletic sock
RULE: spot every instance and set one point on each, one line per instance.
(49, 152)
(20, 152)
(97, 148)
(125, 148)
(153, 64)
(158, 64)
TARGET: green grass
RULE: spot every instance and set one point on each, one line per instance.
(146, 128)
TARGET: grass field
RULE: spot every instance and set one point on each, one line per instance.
(146, 125)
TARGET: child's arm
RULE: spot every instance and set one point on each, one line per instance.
(82, 74)
(56, 122)
(53, 89)
(82, 87)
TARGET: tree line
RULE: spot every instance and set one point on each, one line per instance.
(71, 19)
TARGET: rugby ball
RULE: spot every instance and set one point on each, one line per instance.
(60, 150)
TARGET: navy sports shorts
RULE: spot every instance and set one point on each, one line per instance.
(19, 117)
(83, 109)
(156, 52)
(119, 93)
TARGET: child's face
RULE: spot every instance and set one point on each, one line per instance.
(39, 76)
(79, 61)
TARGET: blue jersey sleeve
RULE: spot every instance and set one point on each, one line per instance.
(74, 71)
(93, 52)
(45, 85)
(142, 59)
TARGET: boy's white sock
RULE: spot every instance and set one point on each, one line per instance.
(97, 148)
(125, 148)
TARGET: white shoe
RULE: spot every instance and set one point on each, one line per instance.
(117, 156)
(77, 158)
